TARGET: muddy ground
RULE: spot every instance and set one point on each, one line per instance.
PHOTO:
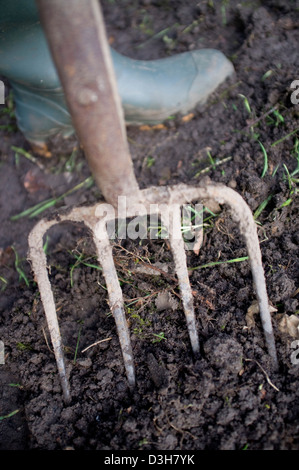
(228, 397)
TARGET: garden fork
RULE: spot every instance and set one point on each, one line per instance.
(79, 47)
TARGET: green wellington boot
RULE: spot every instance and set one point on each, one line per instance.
(150, 91)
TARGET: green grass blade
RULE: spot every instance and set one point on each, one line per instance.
(216, 263)
(44, 205)
(261, 207)
(285, 137)
(265, 169)
(19, 270)
(9, 415)
(28, 212)
(77, 346)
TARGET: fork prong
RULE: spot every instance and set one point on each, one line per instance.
(171, 217)
(39, 266)
(105, 257)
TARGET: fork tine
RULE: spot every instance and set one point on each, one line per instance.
(105, 257)
(39, 266)
(171, 218)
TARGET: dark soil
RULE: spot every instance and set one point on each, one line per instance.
(229, 397)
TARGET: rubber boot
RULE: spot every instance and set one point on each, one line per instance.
(150, 91)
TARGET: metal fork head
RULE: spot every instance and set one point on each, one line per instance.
(165, 201)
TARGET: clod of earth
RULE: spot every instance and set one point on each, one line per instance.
(103, 138)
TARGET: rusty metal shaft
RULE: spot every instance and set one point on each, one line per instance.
(77, 39)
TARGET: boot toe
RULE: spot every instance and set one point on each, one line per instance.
(213, 68)
(152, 91)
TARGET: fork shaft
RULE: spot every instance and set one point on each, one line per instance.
(79, 46)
